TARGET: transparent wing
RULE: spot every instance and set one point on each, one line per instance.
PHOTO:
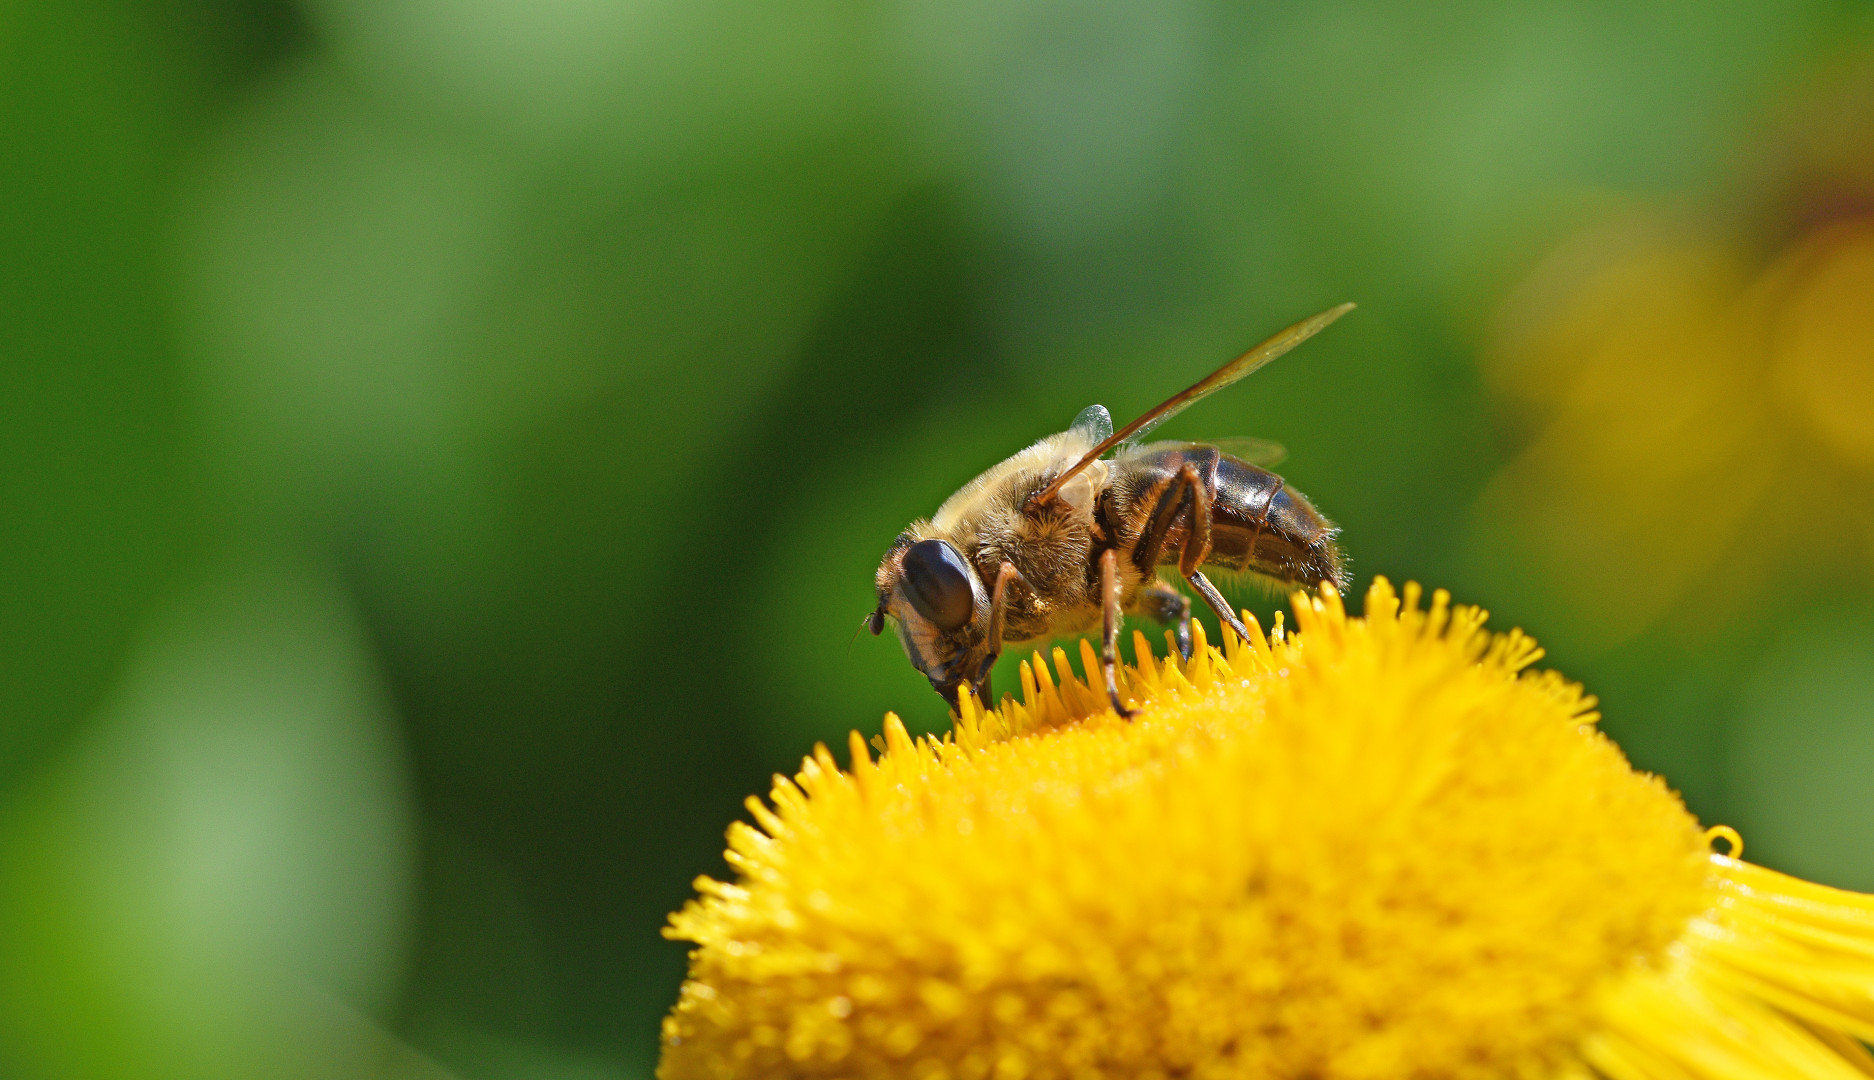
(1259, 452)
(1234, 371)
(1262, 453)
(1229, 373)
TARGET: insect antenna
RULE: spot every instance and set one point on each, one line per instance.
(874, 621)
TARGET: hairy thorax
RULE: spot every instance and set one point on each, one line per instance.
(1054, 554)
(1053, 550)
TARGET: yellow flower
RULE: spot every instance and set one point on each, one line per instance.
(1374, 849)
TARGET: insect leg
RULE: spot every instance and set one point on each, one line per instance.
(1150, 547)
(1197, 549)
(998, 613)
(1109, 628)
(1185, 495)
(1197, 522)
(1218, 604)
(1164, 604)
(999, 603)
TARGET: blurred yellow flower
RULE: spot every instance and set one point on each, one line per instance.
(1695, 393)
(1378, 848)
(1657, 447)
(1822, 338)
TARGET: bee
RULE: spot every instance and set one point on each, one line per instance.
(1060, 538)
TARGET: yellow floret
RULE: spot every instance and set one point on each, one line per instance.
(1375, 849)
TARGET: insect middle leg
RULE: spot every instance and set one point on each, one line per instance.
(1185, 498)
(1167, 606)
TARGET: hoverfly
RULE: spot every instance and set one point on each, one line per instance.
(1059, 538)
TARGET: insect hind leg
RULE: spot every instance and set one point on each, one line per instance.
(1185, 499)
(1169, 507)
(1218, 604)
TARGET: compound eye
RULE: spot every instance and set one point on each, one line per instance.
(937, 582)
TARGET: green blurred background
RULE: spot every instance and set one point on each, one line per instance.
(447, 445)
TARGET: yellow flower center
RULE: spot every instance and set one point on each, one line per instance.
(1376, 849)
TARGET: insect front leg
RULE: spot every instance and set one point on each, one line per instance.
(1109, 628)
(998, 620)
(1163, 604)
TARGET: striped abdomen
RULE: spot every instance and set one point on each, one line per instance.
(1257, 522)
